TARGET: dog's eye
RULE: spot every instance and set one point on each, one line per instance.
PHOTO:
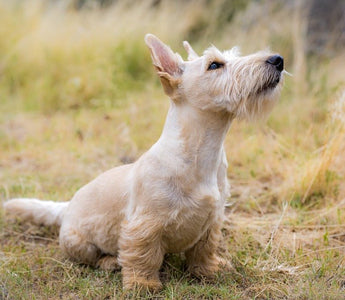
(215, 65)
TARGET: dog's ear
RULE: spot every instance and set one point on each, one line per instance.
(167, 63)
(191, 53)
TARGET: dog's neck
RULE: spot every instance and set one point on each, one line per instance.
(196, 137)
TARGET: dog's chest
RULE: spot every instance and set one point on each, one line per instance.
(186, 225)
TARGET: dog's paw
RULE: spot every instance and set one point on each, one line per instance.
(225, 264)
(142, 285)
(210, 269)
(204, 272)
(108, 263)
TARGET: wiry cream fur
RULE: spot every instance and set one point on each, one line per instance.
(172, 198)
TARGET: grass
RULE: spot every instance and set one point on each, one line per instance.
(78, 96)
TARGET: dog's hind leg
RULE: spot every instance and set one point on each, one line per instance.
(78, 248)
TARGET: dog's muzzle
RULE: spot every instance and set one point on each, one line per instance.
(274, 67)
(276, 64)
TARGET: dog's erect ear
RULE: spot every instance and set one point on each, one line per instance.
(167, 63)
(191, 53)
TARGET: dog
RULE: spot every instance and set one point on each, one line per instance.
(172, 199)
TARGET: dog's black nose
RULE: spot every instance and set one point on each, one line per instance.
(277, 61)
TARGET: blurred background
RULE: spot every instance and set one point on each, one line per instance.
(79, 72)
(79, 95)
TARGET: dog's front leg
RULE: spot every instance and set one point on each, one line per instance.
(202, 259)
(141, 254)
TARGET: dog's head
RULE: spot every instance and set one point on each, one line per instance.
(246, 87)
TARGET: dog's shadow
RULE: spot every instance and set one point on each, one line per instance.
(174, 267)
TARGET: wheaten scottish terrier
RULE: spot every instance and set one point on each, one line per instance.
(172, 198)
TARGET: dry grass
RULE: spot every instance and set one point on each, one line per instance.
(78, 95)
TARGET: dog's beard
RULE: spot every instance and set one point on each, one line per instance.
(270, 80)
(269, 85)
(258, 104)
(263, 95)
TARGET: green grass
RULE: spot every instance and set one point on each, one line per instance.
(78, 95)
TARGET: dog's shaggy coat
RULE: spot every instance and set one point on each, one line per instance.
(172, 198)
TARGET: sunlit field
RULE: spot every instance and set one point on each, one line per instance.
(79, 95)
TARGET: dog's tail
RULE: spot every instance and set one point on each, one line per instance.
(36, 211)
